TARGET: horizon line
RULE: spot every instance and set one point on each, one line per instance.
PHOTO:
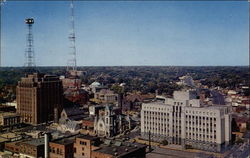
(134, 66)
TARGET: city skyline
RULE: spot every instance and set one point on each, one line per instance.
(129, 33)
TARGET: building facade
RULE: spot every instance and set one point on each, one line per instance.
(183, 120)
(8, 119)
(84, 145)
(32, 148)
(109, 122)
(106, 96)
(118, 149)
(39, 98)
(62, 148)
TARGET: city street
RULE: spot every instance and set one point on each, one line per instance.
(168, 153)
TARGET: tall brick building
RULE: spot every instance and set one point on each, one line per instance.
(39, 98)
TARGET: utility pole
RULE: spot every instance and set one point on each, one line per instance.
(149, 143)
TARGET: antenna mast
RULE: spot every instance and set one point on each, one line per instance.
(72, 37)
(29, 53)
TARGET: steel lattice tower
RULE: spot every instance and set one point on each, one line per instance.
(1, 4)
(29, 53)
(72, 38)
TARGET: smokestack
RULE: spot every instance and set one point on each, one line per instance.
(46, 145)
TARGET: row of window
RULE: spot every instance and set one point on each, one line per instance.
(200, 112)
(155, 113)
(83, 143)
(196, 123)
(200, 117)
(199, 136)
(56, 150)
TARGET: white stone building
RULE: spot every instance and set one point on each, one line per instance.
(183, 120)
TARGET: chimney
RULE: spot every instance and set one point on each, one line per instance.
(46, 144)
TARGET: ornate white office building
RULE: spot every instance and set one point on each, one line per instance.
(183, 120)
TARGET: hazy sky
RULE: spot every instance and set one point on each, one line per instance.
(129, 33)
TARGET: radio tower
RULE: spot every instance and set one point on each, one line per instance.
(29, 53)
(72, 38)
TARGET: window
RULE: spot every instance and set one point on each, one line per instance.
(82, 154)
(83, 143)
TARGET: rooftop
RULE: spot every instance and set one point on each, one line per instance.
(3, 140)
(208, 107)
(118, 148)
(8, 114)
(95, 84)
(89, 119)
(64, 141)
(88, 137)
(9, 135)
(35, 142)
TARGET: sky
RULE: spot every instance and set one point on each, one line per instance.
(129, 33)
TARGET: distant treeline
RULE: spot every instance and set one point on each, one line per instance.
(146, 79)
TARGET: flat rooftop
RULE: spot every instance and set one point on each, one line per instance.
(8, 114)
(3, 140)
(118, 148)
(64, 141)
(205, 106)
(88, 137)
(35, 142)
(9, 135)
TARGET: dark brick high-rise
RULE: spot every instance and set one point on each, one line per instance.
(38, 97)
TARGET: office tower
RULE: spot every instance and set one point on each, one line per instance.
(39, 98)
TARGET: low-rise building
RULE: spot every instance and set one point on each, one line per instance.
(115, 149)
(33, 148)
(84, 145)
(13, 147)
(61, 148)
(88, 125)
(11, 137)
(133, 101)
(8, 119)
(106, 96)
